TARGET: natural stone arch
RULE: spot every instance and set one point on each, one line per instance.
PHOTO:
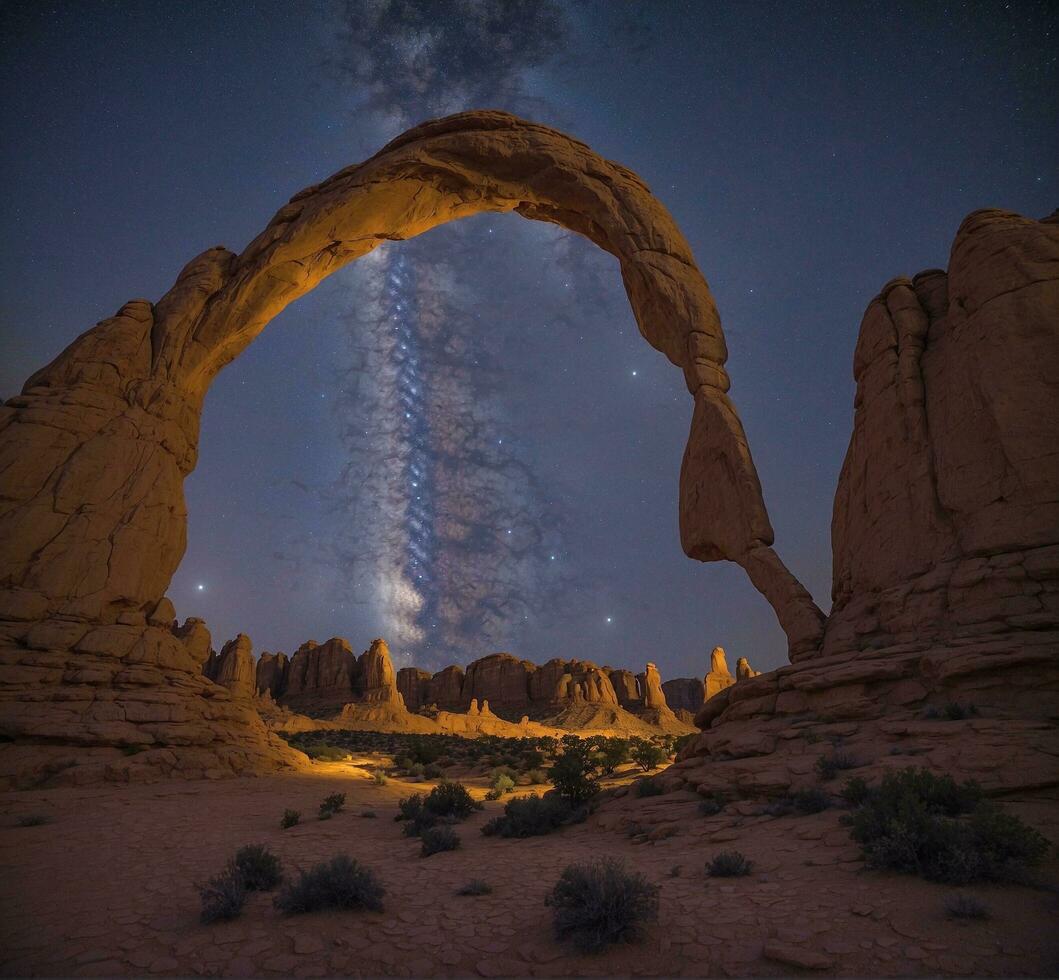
(93, 454)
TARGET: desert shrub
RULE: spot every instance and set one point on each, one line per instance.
(537, 777)
(446, 802)
(425, 750)
(649, 787)
(966, 907)
(813, 800)
(573, 773)
(681, 740)
(828, 766)
(433, 771)
(418, 770)
(259, 867)
(534, 816)
(379, 777)
(223, 897)
(331, 805)
(451, 800)
(326, 753)
(729, 864)
(612, 753)
(437, 839)
(402, 762)
(368, 814)
(711, 804)
(602, 903)
(341, 883)
(648, 755)
(919, 823)
(290, 818)
(501, 784)
(33, 820)
(475, 887)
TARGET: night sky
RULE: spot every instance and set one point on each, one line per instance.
(461, 443)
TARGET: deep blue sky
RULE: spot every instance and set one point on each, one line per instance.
(809, 152)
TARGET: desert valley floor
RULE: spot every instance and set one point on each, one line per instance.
(107, 886)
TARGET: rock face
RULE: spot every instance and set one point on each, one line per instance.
(684, 693)
(411, 682)
(233, 667)
(743, 670)
(94, 451)
(271, 673)
(319, 678)
(945, 538)
(946, 519)
(500, 678)
(626, 688)
(653, 697)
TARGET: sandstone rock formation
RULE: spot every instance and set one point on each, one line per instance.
(626, 688)
(743, 670)
(319, 678)
(945, 539)
(411, 682)
(271, 673)
(685, 695)
(946, 519)
(233, 667)
(718, 677)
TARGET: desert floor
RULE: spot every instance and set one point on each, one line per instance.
(108, 887)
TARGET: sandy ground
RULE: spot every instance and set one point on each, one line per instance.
(107, 887)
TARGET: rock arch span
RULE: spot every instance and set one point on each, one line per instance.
(94, 452)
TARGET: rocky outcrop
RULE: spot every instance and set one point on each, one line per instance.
(501, 679)
(319, 678)
(94, 451)
(196, 639)
(233, 667)
(271, 673)
(719, 677)
(445, 690)
(559, 681)
(945, 539)
(376, 681)
(743, 670)
(653, 698)
(946, 518)
(626, 688)
(412, 683)
(684, 693)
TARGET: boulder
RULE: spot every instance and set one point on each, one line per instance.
(743, 670)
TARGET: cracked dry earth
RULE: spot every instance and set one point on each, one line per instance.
(107, 887)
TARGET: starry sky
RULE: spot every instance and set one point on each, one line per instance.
(461, 443)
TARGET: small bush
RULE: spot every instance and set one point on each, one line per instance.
(379, 778)
(503, 783)
(828, 766)
(613, 753)
(711, 805)
(648, 755)
(437, 839)
(223, 897)
(919, 823)
(812, 800)
(341, 883)
(290, 819)
(537, 777)
(326, 753)
(966, 907)
(258, 866)
(729, 864)
(433, 771)
(368, 815)
(573, 773)
(417, 770)
(451, 800)
(475, 887)
(533, 816)
(331, 805)
(33, 820)
(649, 787)
(601, 903)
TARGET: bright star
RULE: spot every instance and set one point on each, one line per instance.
(609, 620)
(201, 587)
